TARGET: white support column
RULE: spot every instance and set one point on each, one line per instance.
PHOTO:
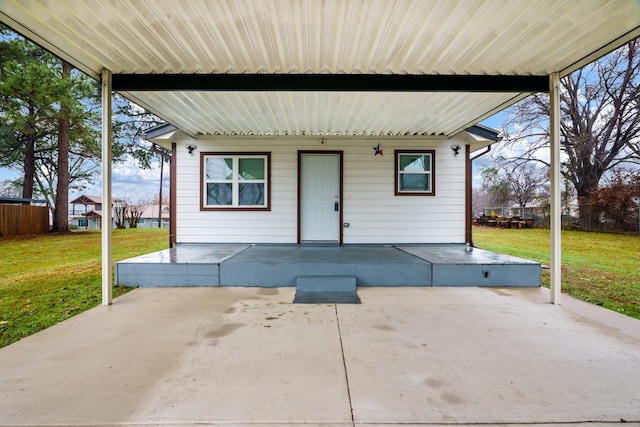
(556, 211)
(107, 277)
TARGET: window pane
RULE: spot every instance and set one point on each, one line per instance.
(251, 169)
(251, 194)
(219, 194)
(219, 168)
(415, 163)
(415, 182)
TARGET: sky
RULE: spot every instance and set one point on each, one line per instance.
(494, 121)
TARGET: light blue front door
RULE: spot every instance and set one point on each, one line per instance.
(320, 198)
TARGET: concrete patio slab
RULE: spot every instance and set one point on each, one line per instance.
(176, 356)
(405, 356)
(277, 266)
(461, 265)
(371, 265)
(487, 356)
(186, 265)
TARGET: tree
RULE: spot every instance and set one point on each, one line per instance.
(49, 124)
(599, 123)
(522, 185)
(9, 188)
(164, 156)
(61, 212)
(133, 212)
(496, 185)
(479, 200)
(119, 211)
(29, 91)
(526, 184)
(129, 124)
(81, 172)
(617, 202)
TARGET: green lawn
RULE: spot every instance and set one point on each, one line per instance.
(45, 279)
(600, 268)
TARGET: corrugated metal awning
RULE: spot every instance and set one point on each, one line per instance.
(310, 37)
(321, 113)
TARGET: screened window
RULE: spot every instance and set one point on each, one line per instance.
(415, 173)
(235, 181)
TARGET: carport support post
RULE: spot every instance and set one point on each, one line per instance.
(556, 213)
(107, 283)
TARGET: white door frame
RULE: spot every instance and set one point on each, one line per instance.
(340, 199)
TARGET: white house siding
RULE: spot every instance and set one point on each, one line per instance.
(375, 215)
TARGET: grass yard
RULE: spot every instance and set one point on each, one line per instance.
(599, 268)
(45, 279)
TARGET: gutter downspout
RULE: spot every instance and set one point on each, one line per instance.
(481, 154)
(173, 215)
(469, 195)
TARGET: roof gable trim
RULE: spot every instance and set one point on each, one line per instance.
(484, 132)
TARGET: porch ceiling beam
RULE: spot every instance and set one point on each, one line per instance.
(330, 83)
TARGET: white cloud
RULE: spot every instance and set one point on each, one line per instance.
(130, 181)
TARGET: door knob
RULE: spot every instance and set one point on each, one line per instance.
(335, 207)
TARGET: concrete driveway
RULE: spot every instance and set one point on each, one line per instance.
(405, 356)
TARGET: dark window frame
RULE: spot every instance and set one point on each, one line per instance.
(239, 154)
(432, 173)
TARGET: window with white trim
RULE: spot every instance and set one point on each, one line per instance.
(415, 173)
(235, 181)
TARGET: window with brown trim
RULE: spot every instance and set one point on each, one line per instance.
(415, 173)
(235, 181)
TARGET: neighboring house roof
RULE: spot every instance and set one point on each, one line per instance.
(87, 199)
(340, 67)
(93, 214)
(151, 211)
(20, 201)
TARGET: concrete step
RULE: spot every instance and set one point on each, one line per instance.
(319, 289)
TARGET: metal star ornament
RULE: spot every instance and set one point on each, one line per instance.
(377, 150)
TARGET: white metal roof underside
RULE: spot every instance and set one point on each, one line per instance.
(439, 37)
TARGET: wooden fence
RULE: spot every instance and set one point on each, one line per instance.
(23, 219)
